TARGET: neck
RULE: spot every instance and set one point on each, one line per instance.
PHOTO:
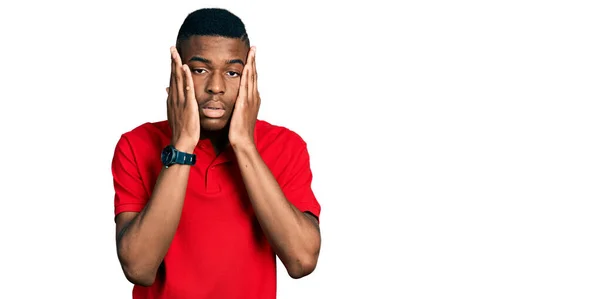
(219, 139)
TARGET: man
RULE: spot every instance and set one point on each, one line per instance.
(205, 200)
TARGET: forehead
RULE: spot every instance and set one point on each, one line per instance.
(214, 48)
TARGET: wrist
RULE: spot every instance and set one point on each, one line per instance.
(185, 147)
(245, 148)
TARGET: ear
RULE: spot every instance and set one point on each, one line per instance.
(167, 90)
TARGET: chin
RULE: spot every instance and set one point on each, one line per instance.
(213, 124)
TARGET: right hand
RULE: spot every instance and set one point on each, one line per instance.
(182, 108)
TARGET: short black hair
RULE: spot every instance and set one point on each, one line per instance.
(212, 22)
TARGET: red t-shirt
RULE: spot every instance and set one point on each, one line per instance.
(219, 249)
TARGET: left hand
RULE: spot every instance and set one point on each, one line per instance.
(245, 111)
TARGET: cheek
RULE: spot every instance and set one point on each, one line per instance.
(233, 88)
(234, 85)
(231, 95)
(198, 86)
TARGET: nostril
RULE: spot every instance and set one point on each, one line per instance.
(215, 90)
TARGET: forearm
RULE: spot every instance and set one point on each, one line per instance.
(293, 236)
(145, 241)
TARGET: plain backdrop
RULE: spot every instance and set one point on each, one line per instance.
(455, 144)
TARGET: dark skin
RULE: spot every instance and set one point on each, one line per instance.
(213, 94)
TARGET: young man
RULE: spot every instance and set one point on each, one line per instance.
(206, 199)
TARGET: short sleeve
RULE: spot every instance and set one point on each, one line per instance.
(130, 194)
(297, 182)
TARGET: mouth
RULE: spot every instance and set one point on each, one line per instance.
(213, 110)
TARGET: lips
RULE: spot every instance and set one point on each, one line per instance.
(213, 104)
(213, 109)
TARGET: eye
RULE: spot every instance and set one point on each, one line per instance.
(198, 71)
(233, 74)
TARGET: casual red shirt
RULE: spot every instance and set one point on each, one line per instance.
(219, 249)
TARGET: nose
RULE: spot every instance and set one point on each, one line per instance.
(215, 84)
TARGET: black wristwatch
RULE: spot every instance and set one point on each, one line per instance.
(170, 155)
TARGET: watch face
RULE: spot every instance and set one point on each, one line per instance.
(167, 155)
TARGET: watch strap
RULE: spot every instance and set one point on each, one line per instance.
(184, 158)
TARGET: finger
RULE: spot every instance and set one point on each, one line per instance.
(252, 77)
(169, 118)
(255, 86)
(243, 91)
(172, 85)
(171, 89)
(190, 96)
(179, 80)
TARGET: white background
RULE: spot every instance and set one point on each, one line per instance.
(455, 144)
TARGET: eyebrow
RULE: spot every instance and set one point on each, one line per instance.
(204, 60)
